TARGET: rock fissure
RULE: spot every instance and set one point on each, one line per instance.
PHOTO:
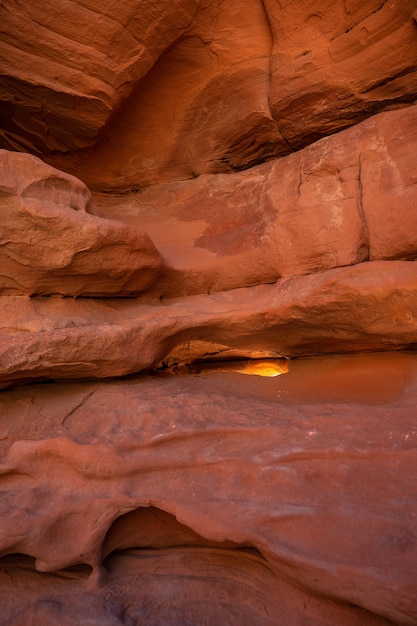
(386, 81)
(77, 406)
(361, 210)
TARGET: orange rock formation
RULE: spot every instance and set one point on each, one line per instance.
(208, 312)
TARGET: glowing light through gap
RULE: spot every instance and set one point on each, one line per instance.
(266, 367)
(263, 368)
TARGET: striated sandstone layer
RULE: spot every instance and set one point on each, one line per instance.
(237, 585)
(227, 216)
(320, 484)
(67, 67)
(174, 91)
(371, 306)
(343, 200)
(335, 62)
(350, 196)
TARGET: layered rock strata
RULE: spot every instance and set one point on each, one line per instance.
(343, 200)
(350, 196)
(208, 313)
(315, 470)
(371, 306)
(191, 87)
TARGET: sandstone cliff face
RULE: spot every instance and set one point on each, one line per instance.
(196, 196)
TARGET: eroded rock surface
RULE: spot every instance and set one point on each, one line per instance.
(314, 469)
(196, 86)
(333, 62)
(343, 200)
(371, 306)
(186, 434)
(66, 68)
(233, 584)
(50, 244)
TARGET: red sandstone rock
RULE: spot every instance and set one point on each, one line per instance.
(212, 497)
(206, 86)
(49, 244)
(322, 490)
(339, 201)
(388, 178)
(333, 63)
(371, 306)
(202, 108)
(252, 80)
(149, 527)
(67, 67)
(169, 587)
(349, 196)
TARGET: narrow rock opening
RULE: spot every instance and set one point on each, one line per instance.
(200, 356)
(267, 368)
(20, 561)
(149, 528)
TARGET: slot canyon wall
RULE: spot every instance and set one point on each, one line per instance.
(208, 312)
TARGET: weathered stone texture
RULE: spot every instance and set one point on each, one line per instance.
(258, 463)
(50, 244)
(208, 312)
